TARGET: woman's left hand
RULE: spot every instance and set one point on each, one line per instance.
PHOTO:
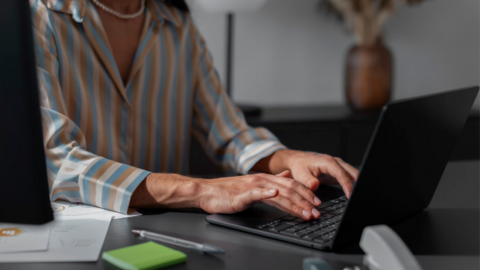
(312, 169)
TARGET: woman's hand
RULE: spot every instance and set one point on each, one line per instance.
(227, 195)
(311, 169)
(235, 194)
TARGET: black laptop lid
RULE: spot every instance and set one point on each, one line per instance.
(405, 160)
(24, 193)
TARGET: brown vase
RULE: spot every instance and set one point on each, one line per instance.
(368, 77)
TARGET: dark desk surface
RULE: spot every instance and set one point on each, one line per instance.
(438, 243)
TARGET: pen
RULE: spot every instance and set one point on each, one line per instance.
(179, 242)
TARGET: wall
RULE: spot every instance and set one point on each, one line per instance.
(290, 54)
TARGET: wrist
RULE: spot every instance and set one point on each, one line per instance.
(205, 191)
(282, 160)
(166, 191)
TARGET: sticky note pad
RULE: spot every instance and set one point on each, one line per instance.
(145, 256)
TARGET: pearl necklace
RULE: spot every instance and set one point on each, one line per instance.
(119, 15)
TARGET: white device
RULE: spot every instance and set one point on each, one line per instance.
(385, 250)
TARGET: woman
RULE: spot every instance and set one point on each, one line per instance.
(123, 85)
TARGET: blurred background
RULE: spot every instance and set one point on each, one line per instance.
(289, 52)
(290, 58)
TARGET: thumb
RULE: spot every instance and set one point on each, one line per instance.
(308, 179)
(285, 174)
(255, 195)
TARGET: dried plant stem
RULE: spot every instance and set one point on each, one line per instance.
(365, 18)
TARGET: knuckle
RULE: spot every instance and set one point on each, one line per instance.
(295, 208)
(328, 157)
(292, 184)
(338, 159)
(289, 192)
(305, 204)
(255, 179)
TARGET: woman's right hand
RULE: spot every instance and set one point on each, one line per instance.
(235, 194)
(226, 195)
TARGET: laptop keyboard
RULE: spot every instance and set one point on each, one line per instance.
(319, 230)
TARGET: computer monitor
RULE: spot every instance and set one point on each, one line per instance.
(24, 191)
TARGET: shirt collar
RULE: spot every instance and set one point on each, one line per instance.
(77, 9)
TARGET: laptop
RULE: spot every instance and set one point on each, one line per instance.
(24, 192)
(401, 169)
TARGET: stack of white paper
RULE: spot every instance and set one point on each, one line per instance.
(21, 238)
(68, 209)
(76, 235)
(71, 240)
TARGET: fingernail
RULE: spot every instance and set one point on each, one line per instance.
(315, 212)
(317, 200)
(306, 213)
(272, 191)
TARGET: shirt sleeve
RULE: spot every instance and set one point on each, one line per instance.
(219, 125)
(74, 174)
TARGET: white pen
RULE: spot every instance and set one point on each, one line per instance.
(179, 242)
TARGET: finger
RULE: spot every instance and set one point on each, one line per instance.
(290, 197)
(255, 195)
(286, 174)
(331, 167)
(352, 171)
(286, 205)
(296, 186)
(308, 179)
(326, 179)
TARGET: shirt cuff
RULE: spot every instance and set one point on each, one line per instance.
(255, 152)
(110, 185)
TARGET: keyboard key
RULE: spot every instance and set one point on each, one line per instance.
(286, 232)
(302, 226)
(291, 229)
(289, 218)
(296, 234)
(281, 227)
(333, 226)
(325, 205)
(336, 219)
(309, 229)
(292, 222)
(311, 236)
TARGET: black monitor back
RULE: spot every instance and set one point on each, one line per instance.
(405, 160)
(24, 192)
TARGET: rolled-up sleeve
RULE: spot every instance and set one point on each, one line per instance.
(74, 174)
(219, 125)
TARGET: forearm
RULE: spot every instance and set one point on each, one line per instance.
(166, 191)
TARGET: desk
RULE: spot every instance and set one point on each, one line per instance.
(439, 245)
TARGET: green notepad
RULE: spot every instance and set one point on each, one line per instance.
(145, 256)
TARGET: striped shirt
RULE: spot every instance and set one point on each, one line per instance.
(103, 137)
